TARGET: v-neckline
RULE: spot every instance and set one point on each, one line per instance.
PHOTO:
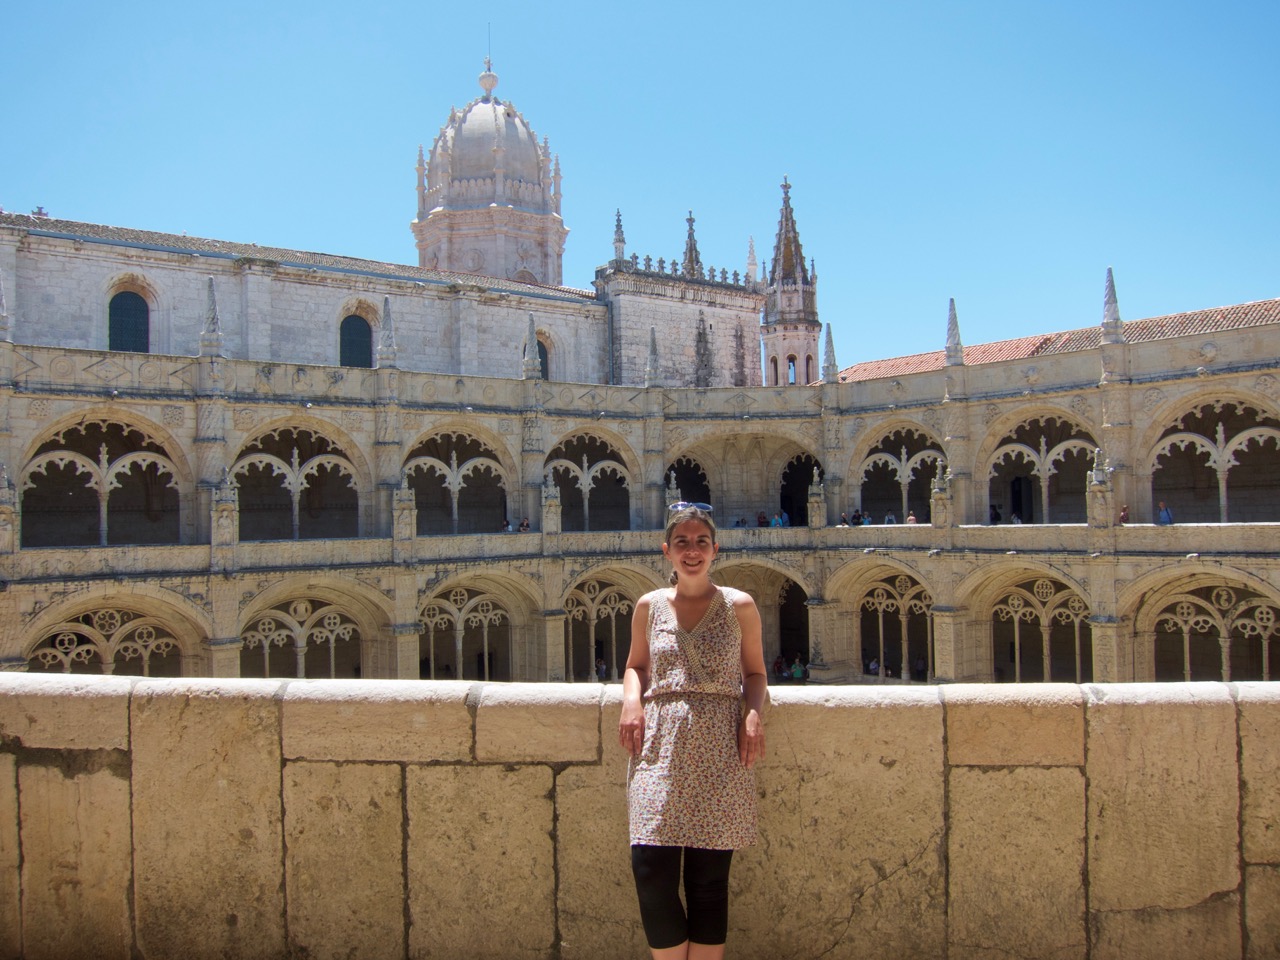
(698, 626)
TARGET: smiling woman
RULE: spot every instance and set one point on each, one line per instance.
(695, 658)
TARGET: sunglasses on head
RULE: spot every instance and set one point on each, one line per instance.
(686, 504)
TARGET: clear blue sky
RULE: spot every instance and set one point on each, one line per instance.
(1002, 153)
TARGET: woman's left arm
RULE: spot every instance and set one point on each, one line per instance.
(754, 681)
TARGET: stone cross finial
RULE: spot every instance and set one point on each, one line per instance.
(830, 369)
(387, 342)
(752, 265)
(1112, 325)
(211, 336)
(955, 351)
(692, 262)
(619, 239)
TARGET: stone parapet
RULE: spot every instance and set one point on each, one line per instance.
(383, 819)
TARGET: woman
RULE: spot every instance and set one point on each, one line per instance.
(693, 694)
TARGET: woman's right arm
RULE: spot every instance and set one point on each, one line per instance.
(634, 681)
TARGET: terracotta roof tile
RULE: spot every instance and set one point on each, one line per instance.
(297, 258)
(1258, 313)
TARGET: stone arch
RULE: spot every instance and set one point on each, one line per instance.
(690, 478)
(139, 286)
(147, 632)
(1205, 624)
(295, 481)
(478, 626)
(1217, 461)
(313, 627)
(1036, 468)
(1033, 623)
(596, 478)
(800, 472)
(598, 608)
(895, 473)
(105, 480)
(781, 595)
(460, 483)
(886, 610)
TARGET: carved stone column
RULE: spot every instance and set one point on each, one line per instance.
(1112, 653)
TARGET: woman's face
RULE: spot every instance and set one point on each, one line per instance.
(690, 548)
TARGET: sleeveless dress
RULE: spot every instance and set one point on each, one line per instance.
(688, 787)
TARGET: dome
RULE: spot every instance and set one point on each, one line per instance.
(486, 133)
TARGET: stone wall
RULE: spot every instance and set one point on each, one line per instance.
(383, 819)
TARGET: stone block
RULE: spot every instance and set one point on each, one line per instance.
(1204, 931)
(65, 711)
(1016, 855)
(397, 720)
(850, 859)
(538, 722)
(10, 887)
(1259, 706)
(1262, 912)
(599, 915)
(1163, 798)
(481, 862)
(75, 858)
(208, 846)
(1040, 724)
(344, 831)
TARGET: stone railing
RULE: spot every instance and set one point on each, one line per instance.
(390, 819)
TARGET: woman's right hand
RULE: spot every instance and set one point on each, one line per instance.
(631, 727)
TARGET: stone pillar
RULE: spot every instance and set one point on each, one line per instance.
(550, 506)
(948, 643)
(817, 504)
(403, 653)
(224, 527)
(552, 665)
(222, 656)
(1112, 654)
(404, 527)
(9, 514)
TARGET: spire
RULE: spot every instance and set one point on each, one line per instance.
(830, 370)
(532, 367)
(955, 352)
(702, 354)
(211, 336)
(619, 239)
(788, 258)
(1112, 325)
(422, 182)
(5, 335)
(651, 368)
(751, 260)
(691, 265)
(387, 343)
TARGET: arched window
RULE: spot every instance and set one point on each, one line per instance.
(773, 366)
(808, 370)
(355, 341)
(791, 369)
(129, 323)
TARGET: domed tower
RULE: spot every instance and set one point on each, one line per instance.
(489, 195)
(790, 329)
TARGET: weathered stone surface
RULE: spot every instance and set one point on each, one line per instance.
(599, 916)
(1163, 798)
(66, 711)
(75, 859)
(1205, 931)
(207, 819)
(401, 720)
(1259, 705)
(538, 722)
(343, 822)
(10, 925)
(481, 862)
(1016, 854)
(1262, 912)
(1038, 724)
(850, 860)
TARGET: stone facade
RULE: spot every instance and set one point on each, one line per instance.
(219, 459)
(250, 818)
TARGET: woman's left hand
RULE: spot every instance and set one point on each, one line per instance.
(750, 739)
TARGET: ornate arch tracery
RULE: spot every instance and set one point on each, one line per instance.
(590, 474)
(591, 603)
(911, 605)
(112, 637)
(1047, 448)
(463, 611)
(1043, 603)
(1221, 632)
(306, 471)
(901, 458)
(445, 467)
(307, 624)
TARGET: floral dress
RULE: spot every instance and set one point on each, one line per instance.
(688, 787)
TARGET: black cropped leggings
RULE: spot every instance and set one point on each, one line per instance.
(706, 892)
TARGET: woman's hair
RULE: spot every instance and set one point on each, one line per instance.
(679, 517)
